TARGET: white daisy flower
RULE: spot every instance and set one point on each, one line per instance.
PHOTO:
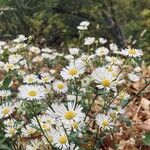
(103, 77)
(60, 87)
(47, 50)
(46, 78)
(30, 78)
(5, 93)
(82, 27)
(5, 110)
(10, 66)
(113, 47)
(14, 58)
(102, 40)
(74, 51)
(132, 52)
(60, 139)
(123, 95)
(113, 60)
(37, 59)
(20, 38)
(35, 145)
(9, 122)
(31, 92)
(104, 121)
(72, 71)
(2, 43)
(28, 130)
(85, 23)
(34, 49)
(138, 69)
(133, 77)
(68, 114)
(102, 51)
(10, 131)
(89, 40)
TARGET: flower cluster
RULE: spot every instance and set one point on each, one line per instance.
(46, 97)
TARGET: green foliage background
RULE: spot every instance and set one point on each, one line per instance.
(53, 22)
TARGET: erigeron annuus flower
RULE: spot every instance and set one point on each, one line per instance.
(45, 78)
(133, 77)
(123, 95)
(60, 139)
(101, 51)
(5, 93)
(60, 87)
(2, 43)
(30, 78)
(14, 58)
(84, 23)
(10, 131)
(114, 60)
(132, 52)
(103, 77)
(89, 40)
(113, 47)
(20, 38)
(34, 49)
(104, 121)
(10, 66)
(70, 113)
(28, 130)
(35, 145)
(102, 40)
(74, 51)
(72, 71)
(9, 122)
(32, 92)
(6, 109)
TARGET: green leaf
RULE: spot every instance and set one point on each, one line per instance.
(146, 139)
(7, 81)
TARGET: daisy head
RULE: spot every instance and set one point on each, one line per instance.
(5, 93)
(102, 51)
(30, 78)
(103, 77)
(5, 110)
(32, 92)
(69, 113)
(132, 52)
(60, 87)
(60, 139)
(103, 121)
(72, 71)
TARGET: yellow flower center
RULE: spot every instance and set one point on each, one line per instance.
(70, 115)
(10, 66)
(30, 80)
(75, 125)
(12, 131)
(32, 93)
(132, 51)
(45, 126)
(105, 123)
(60, 86)
(45, 79)
(6, 111)
(63, 139)
(106, 83)
(73, 71)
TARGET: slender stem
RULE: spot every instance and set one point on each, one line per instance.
(137, 94)
(42, 129)
(91, 106)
